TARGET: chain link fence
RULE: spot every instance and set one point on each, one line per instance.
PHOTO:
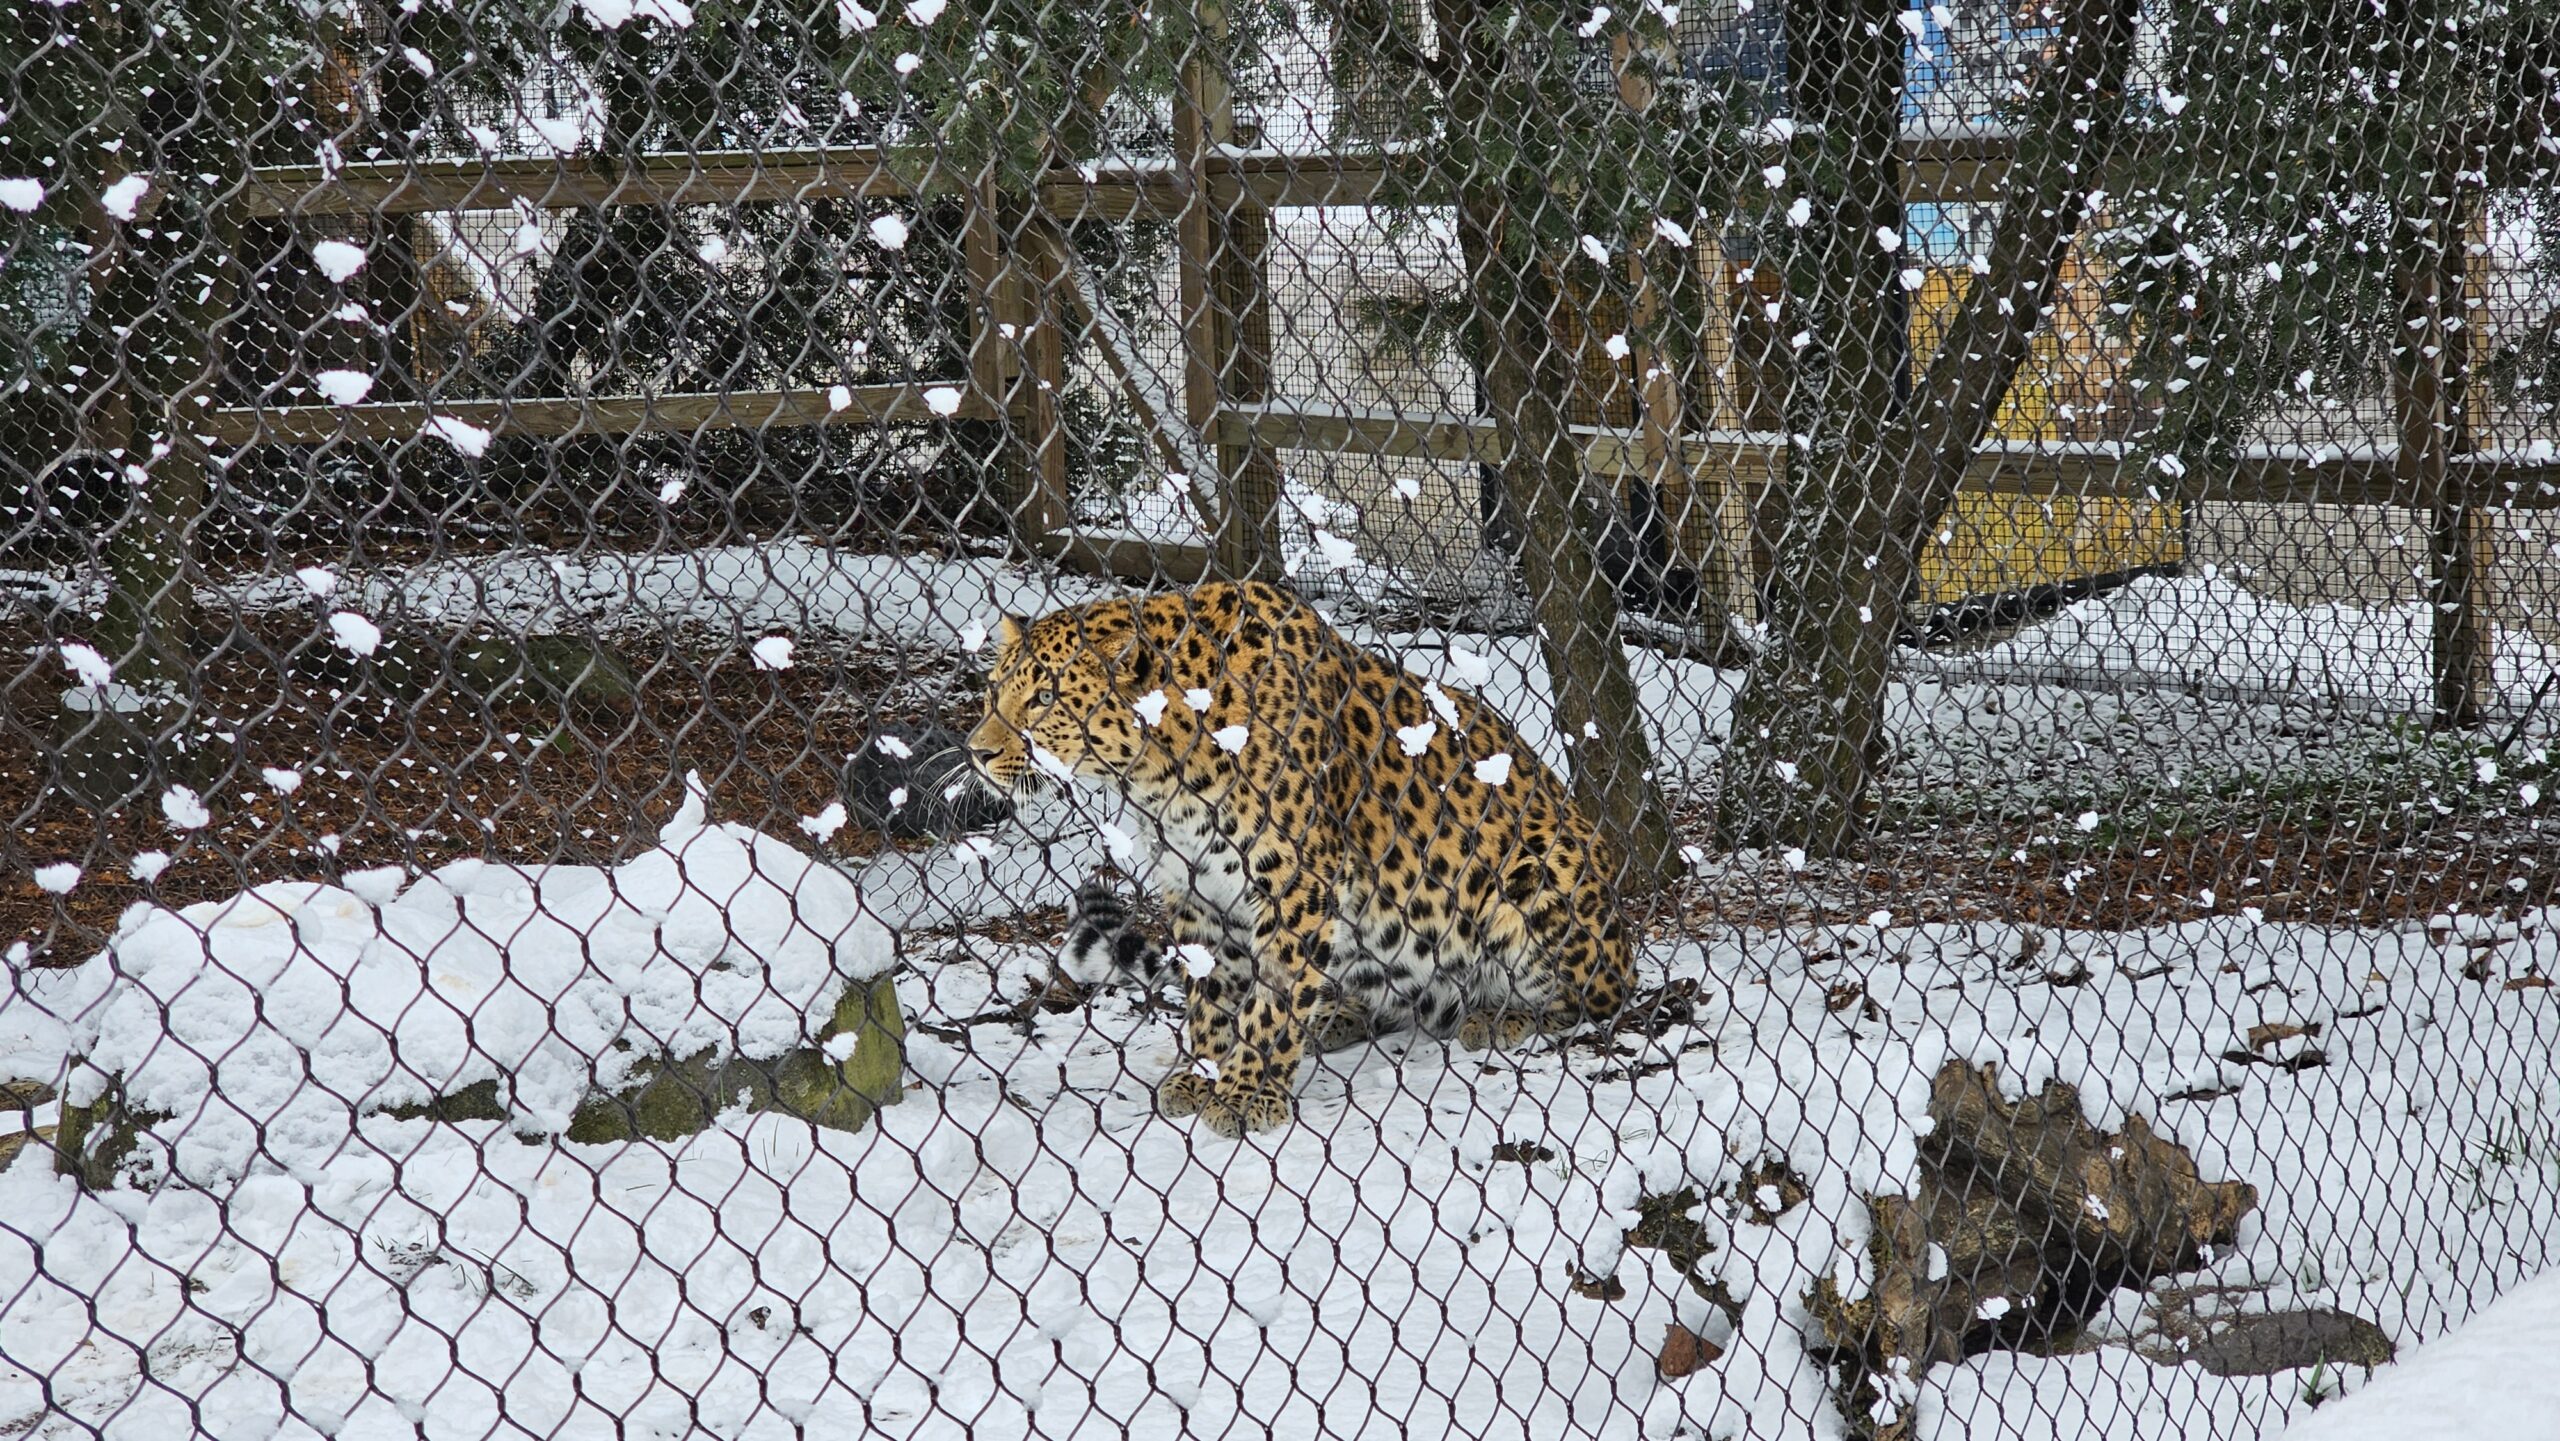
(992, 718)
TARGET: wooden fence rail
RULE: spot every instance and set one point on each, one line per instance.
(1965, 165)
(2260, 475)
(684, 412)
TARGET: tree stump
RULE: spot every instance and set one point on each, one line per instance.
(2025, 1216)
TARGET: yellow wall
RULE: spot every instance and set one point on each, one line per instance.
(2003, 542)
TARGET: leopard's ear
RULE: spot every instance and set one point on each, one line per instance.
(1010, 631)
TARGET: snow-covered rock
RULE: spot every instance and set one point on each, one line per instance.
(262, 1027)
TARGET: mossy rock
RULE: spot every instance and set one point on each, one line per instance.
(673, 1100)
(2265, 1345)
(92, 1142)
(476, 1102)
(665, 1101)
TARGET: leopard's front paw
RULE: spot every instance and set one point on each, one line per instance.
(1234, 1110)
(1185, 1092)
(1498, 1030)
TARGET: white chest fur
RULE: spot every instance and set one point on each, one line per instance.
(1192, 858)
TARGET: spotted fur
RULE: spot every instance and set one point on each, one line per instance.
(1341, 846)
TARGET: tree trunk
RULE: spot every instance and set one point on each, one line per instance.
(2430, 365)
(1808, 725)
(1526, 379)
(163, 353)
(1527, 382)
(163, 282)
(1598, 716)
(2023, 1202)
(1874, 461)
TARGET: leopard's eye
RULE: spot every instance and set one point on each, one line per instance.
(1046, 695)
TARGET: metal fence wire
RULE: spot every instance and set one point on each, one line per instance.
(1492, 718)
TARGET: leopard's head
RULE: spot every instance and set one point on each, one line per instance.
(1058, 696)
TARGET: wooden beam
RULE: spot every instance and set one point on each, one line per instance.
(248, 425)
(1195, 235)
(1424, 435)
(1001, 337)
(1960, 165)
(496, 182)
(1240, 291)
(1034, 406)
(993, 357)
(1966, 165)
(2266, 475)
(1157, 405)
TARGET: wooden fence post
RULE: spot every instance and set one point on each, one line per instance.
(1249, 526)
(1017, 358)
(995, 360)
(1709, 489)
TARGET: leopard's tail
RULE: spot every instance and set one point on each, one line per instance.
(1104, 946)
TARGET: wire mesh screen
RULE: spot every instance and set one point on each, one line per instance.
(1460, 718)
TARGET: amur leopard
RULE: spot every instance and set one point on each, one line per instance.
(1343, 848)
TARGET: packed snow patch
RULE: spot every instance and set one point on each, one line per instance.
(462, 435)
(789, 585)
(123, 199)
(185, 809)
(613, 14)
(91, 668)
(2207, 632)
(355, 632)
(338, 260)
(343, 387)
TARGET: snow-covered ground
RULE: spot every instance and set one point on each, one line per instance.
(2166, 684)
(2203, 634)
(1025, 1243)
(2208, 633)
(263, 1024)
(791, 584)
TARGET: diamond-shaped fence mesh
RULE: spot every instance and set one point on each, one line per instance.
(1373, 718)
